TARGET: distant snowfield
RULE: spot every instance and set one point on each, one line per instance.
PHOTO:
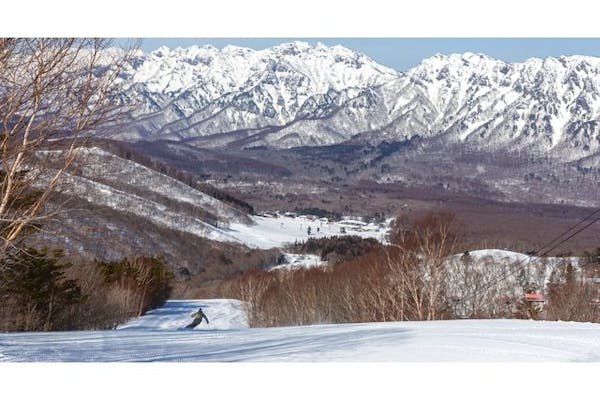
(297, 261)
(157, 337)
(269, 232)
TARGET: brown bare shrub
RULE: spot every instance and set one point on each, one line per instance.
(141, 283)
(572, 295)
(401, 281)
(416, 277)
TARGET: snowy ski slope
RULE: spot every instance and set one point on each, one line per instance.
(158, 337)
(268, 232)
(175, 314)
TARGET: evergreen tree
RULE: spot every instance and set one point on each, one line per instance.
(35, 281)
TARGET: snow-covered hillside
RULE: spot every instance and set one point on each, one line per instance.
(484, 280)
(509, 257)
(122, 187)
(275, 231)
(106, 180)
(297, 261)
(156, 337)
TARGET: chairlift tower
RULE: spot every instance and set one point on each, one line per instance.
(533, 295)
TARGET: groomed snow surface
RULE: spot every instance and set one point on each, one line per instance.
(158, 336)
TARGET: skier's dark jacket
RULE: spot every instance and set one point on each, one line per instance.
(198, 315)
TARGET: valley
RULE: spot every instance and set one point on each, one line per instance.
(308, 192)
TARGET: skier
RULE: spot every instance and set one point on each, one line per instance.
(198, 315)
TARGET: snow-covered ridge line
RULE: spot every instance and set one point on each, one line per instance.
(251, 88)
(232, 68)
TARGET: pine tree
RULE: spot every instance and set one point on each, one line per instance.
(35, 280)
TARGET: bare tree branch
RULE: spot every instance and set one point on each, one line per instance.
(54, 93)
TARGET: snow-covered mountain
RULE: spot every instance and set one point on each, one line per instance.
(201, 91)
(541, 104)
(538, 105)
(296, 94)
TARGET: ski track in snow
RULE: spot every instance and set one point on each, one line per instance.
(158, 336)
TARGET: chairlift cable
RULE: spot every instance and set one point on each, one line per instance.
(512, 269)
(570, 236)
(534, 253)
(568, 230)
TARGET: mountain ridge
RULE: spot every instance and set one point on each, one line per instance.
(296, 94)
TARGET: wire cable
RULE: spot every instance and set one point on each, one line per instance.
(513, 268)
(597, 211)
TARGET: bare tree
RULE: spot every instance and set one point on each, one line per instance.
(251, 289)
(53, 94)
(480, 287)
(418, 269)
(572, 295)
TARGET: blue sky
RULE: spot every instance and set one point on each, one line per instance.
(404, 53)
